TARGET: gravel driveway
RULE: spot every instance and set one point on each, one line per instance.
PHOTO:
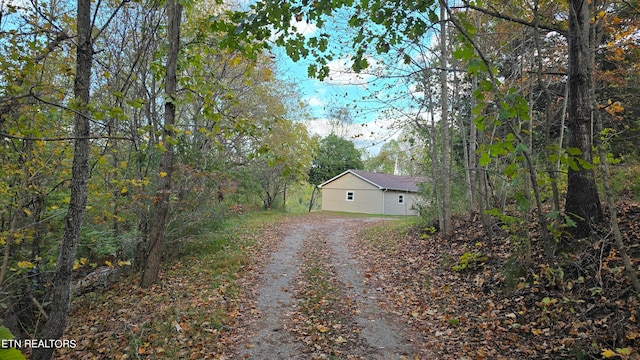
(380, 336)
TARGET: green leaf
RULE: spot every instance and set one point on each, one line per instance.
(574, 151)
(485, 159)
(523, 201)
(433, 17)
(522, 148)
(476, 66)
(480, 123)
(464, 53)
(9, 354)
(511, 170)
(485, 85)
(585, 164)
(136, 103)
(5, 334)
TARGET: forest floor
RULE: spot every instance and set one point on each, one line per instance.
(331, 286)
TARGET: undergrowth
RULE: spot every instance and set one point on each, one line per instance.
(188, 314)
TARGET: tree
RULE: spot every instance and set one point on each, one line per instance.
(161, 202)
(341, 119)
(283, 159)
(446, 225)
(61, 296)
(334, 156)
(582, 200)
(398, 157)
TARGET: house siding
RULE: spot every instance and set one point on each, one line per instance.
(367, 197)
(392, 207)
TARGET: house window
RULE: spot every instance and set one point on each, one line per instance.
(350, 196)
(400, 199)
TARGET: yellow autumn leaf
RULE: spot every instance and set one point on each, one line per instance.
(25, 264)
(124, 190)
(163, 173)
(108, 263)
(235, 61)
(77, 264)
(341, 340)
(608, 353)
(123, 263)
(536, 332)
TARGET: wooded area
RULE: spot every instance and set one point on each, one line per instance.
(125, 124)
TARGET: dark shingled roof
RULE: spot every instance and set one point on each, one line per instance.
(385, 181)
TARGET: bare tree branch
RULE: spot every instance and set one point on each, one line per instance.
(64, 138)
(495, 13)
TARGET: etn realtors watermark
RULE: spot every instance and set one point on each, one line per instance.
(38, 343)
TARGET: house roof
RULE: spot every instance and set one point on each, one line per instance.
(383, 181)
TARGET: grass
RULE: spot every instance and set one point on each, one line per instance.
(385, 237)
(361, 215)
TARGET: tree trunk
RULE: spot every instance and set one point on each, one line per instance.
(313, 195)
(61, 292)
(582, 201)
(161, 203)
(447, 227)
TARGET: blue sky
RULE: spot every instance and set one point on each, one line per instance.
(343, 88)
(378, 102)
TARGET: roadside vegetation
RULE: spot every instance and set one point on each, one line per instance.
(191, 313)
(471, 296)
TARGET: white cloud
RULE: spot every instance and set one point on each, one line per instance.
(416, 92)
(368, 136)
(303, 28)
(315, 101)
(341, 73)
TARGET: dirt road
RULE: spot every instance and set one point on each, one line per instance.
(314, 302)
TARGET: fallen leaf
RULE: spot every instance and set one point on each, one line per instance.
(608, 353)
(322, 328)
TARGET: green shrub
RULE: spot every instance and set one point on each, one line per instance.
(471, 260)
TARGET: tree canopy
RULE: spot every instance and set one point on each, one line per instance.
(333, 156)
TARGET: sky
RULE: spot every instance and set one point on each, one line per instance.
(342, 88)
(370, 127)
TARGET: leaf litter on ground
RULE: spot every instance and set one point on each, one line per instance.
(204, 305)
(582, 308)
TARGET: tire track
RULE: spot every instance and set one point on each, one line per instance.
(271, 335)
(274, 302)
